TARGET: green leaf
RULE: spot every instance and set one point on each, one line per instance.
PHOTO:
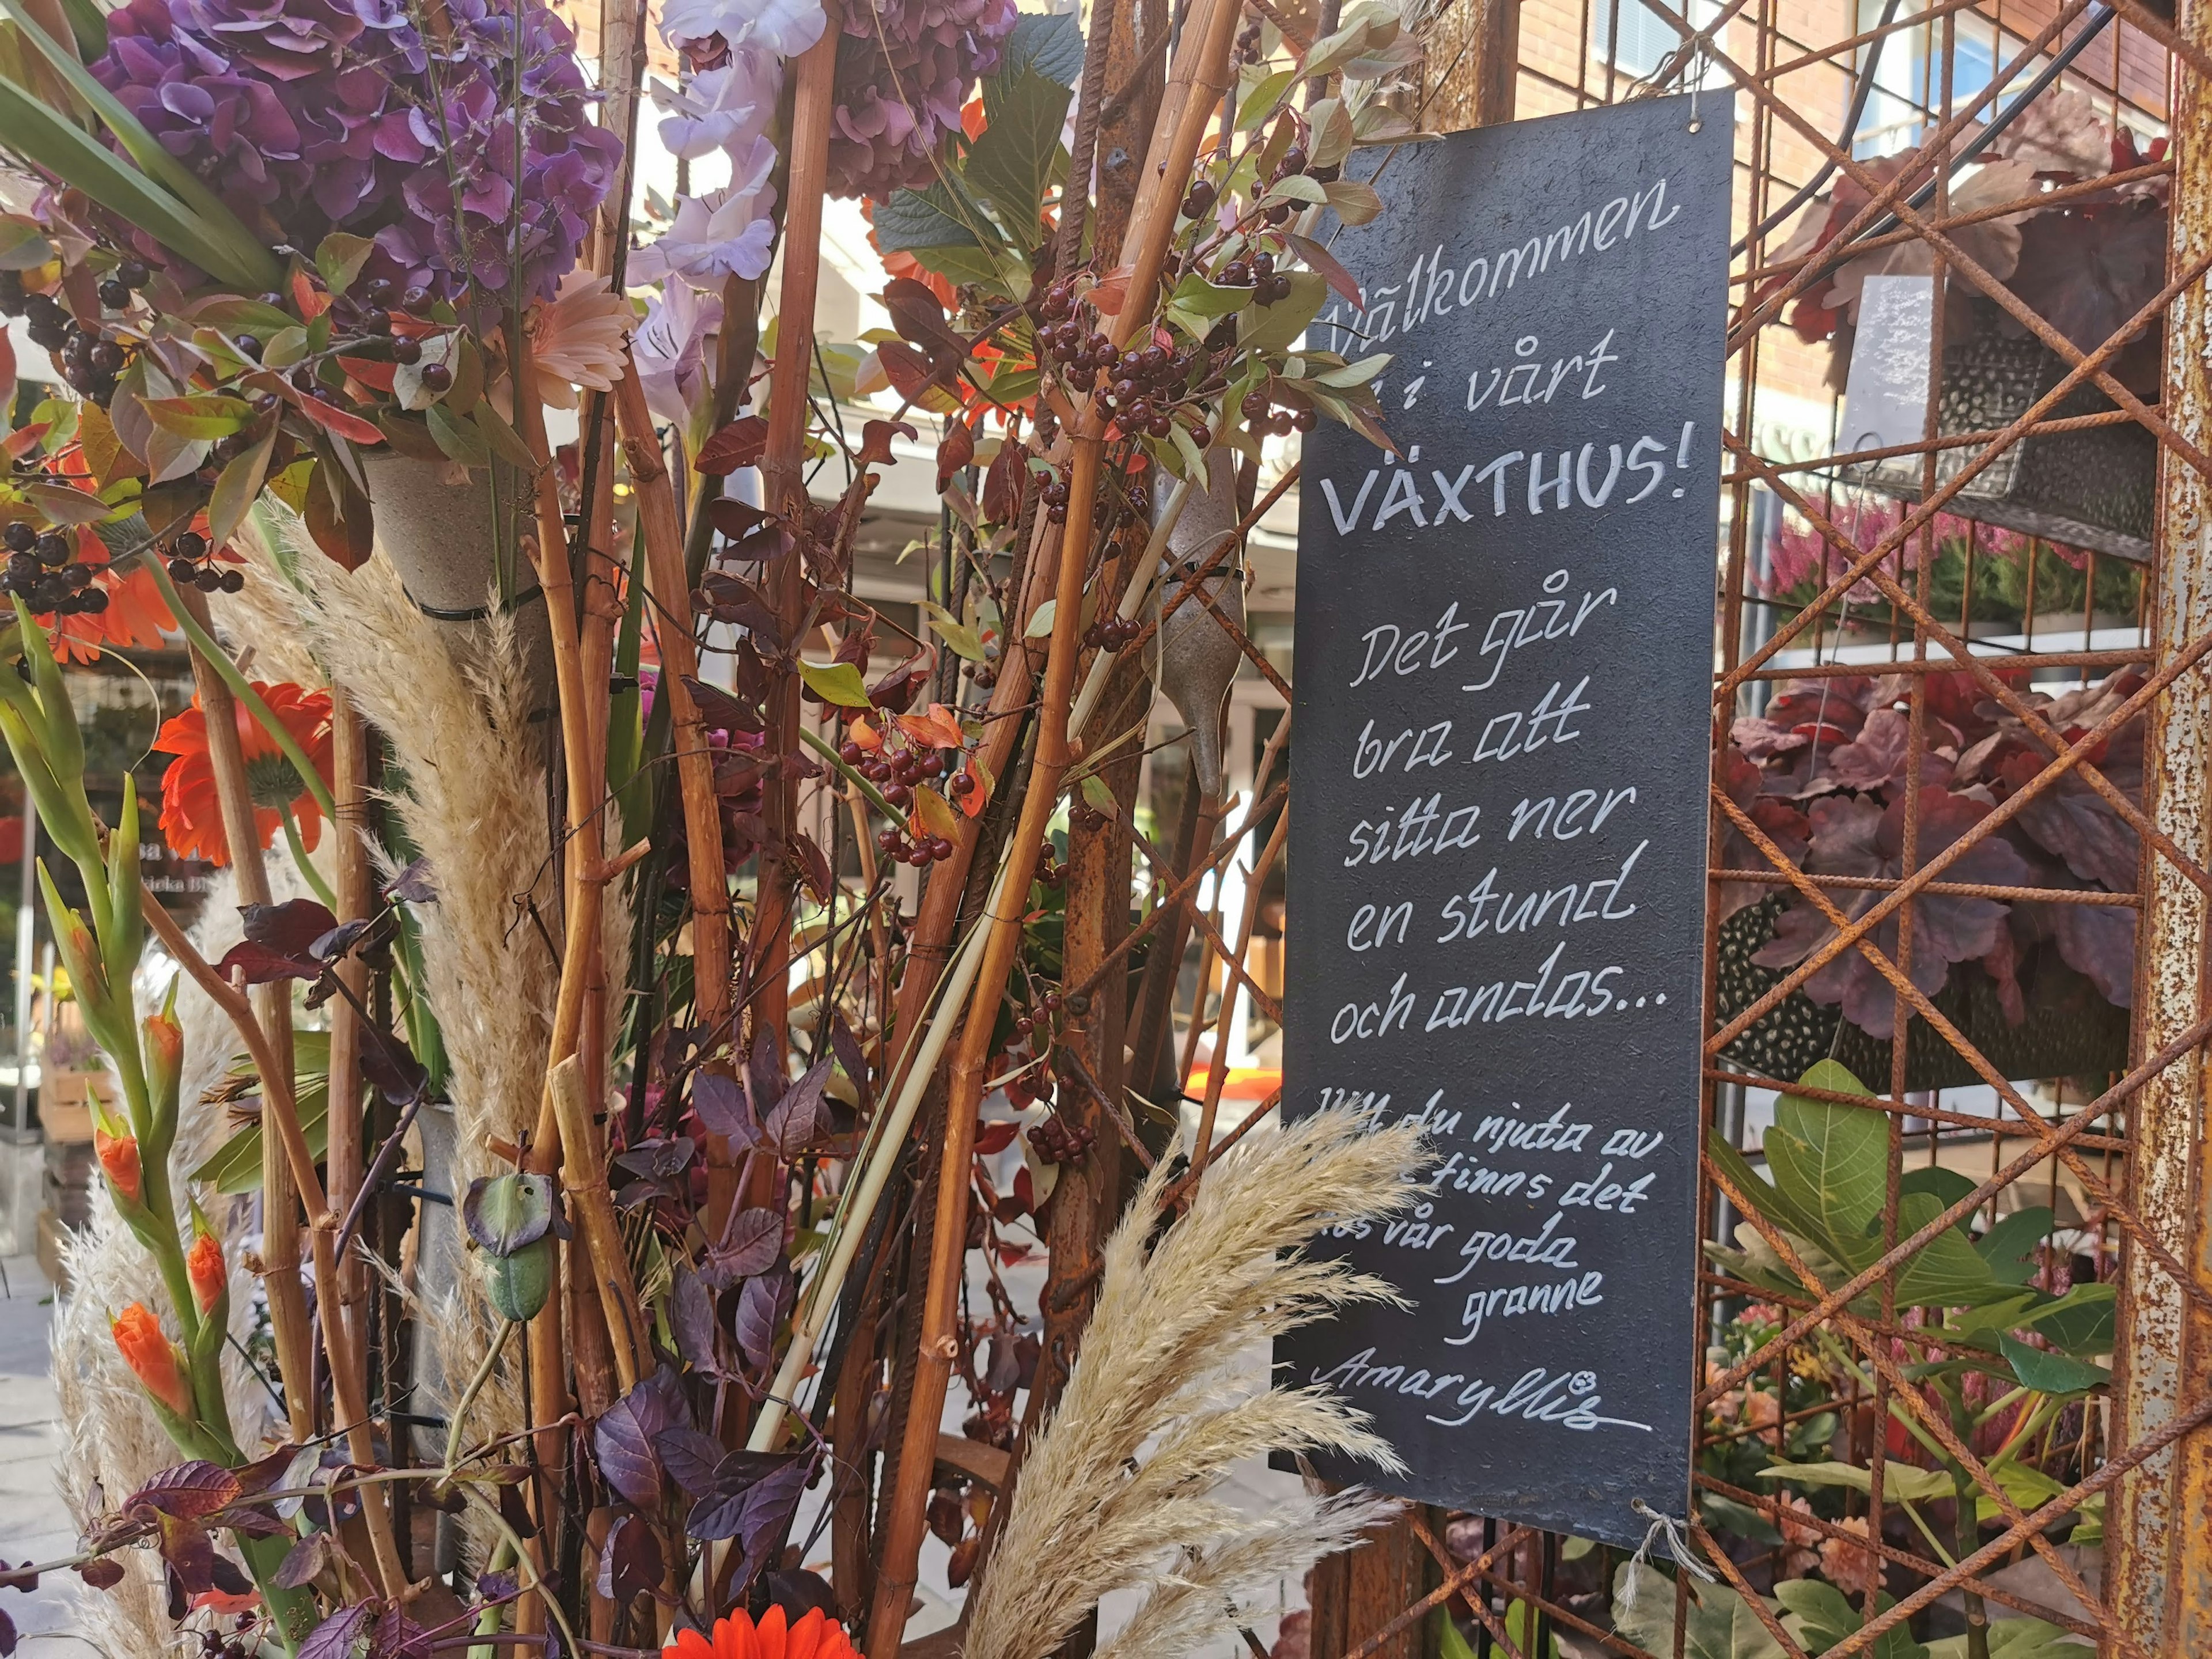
(2011, 1249)
(286, 347)
(1040, 621)
(1332, 132)
(502, 440)
(235, 1167)
(1267, 94)
(933, 218)
(340, 258)
(1295, 188)
(237, 489)
(1359, 374)
(1046, 43)
(1273, 328)
(1945, 1272)
(2050, 1373)
(2081, 1321)
(1820, 1616)
(1355, 203)
(1716, 1624)
(1902, 1481)
(62, 505)
(459, 438)
(236, 315)
(1200, 298)
(1094, 792)
(202, 414)
(1833, 1162)
(1451, 1644)
(835, 682)
(2019, 1639)
(953, 632)
(1010, 164)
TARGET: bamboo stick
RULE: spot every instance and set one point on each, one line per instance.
(783, 486)
(1202, 66)
(586, 1180)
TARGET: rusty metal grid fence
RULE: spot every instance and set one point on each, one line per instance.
(1990, 674)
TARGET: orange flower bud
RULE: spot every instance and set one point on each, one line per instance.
(211, 1278)
(119, 1156)
(165, 1062)
(153, 1358)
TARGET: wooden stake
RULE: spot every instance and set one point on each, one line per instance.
(349, 854)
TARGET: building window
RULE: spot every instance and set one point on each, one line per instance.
(1643, 37)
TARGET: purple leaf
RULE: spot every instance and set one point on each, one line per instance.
(801, 1116)
(623, 1439)
(750, 1245)
(6, 1634)
(2099, 941)
(721, 1108)
(496, 1586)
(1874, 757)
(279, 942)
(691, 1316)
(727, 1510)
(693, 1460)
(398, 1637)
(334, 1638)
(18, 1580)
(102, 1572)
(657, 1160)
(847, 1047)
(302, 1562)
(760, 1308)
(631, 1563)
(190, 1553)
(413, 885)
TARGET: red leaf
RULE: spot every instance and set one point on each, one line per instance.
(311, 301)
(954, 451)
(370, 372)
(876, 440)
(741, 443)
(910, 373)
(333, 419)
(994, 1138)
(187, 1490)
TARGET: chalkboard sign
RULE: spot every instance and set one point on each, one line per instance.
(1499, 820)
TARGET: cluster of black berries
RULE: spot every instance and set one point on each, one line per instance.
(1261, 415)
(39, 572)
(1056, 1140)
(190, 566)
(128, 278)
(1112, 632)
(1049, 869)
(1082, 815)
(1248, 43)
(1199, 200)
(1257, 273)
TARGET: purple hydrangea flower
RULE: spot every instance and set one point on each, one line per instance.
(904, 68)
(311, 116)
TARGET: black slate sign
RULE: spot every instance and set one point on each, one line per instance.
(1499, 827)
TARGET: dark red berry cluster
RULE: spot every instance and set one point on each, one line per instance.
(39, 572)
(1139, 386)
(191, 566)
(1082, 815)
(1257, 273)
(1049, 869)
(1112, 632)
(916, 850)
(1248, 43)
(1261, 415)
(1055, 1140)
(1199, 200)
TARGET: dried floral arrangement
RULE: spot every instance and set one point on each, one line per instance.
(555, 933)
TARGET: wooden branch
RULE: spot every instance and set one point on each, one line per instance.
(349, 854)
(586, 1180)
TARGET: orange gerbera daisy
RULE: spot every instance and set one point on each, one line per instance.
(191, 819)
(134, 619)
(815, 1637)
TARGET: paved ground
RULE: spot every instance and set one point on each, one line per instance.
(34, 1524)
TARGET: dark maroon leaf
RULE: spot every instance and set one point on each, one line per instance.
(413, 885)
(803, 1114)
(764, 1077)
(1876, 757)
(768, 1507)
(333, 945)
(750, 1245)
(496, 1586)
(187, 1491)
(918, 316)
(658, 1160)
(1002, 483)
(17, 1579)
(875, 437)
(720, 712)
(761, 1307)
(290, 928)
(302, 1562)
(631, 1563)
(693, 1460)
(721, 1108)
(691, 1316)
(396, 1073)
(185, 1546)
(230, 1578)
(514, 1510)
(101, 1572)
(337, 1636)
(741, 443)
(6, 1634)
(813, 867)
(259, 965)
(799, 1592)
(895, 691)
(910, 373)
(2099, 940)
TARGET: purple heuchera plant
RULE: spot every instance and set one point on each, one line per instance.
(311, 116)
(904, 68)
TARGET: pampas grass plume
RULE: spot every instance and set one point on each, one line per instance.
(1119, 1486)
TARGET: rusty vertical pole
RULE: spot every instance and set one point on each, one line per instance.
(2161, 1520)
